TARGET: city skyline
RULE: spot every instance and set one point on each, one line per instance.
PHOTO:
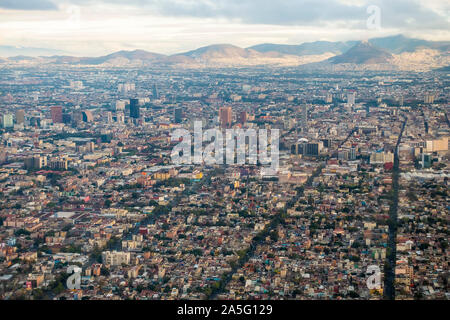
(190, 150)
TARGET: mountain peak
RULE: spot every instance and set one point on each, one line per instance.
(363, 53)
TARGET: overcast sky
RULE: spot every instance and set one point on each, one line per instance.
(96, 27)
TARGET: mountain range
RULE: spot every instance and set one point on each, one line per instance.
(395, 52)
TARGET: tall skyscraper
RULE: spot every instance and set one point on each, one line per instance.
(20, 116)
(67, 118)
(7, 121)
(87, 116)
(155, 92)
(225, 117)
(429, 98)
(120, 117)
(134, 109)
(304, 117)
(178, 115)
(351, 98)
(243, 117)
(120, 105)
(56, 112)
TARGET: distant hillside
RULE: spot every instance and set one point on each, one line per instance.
(393, 44)
(399, 44)
(396, 53)
(124, 56)
(219, 51)
(307, 48)
(363, 53)
(230, 55)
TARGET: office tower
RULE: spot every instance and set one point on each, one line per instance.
(77, 116)
(351, 98)
(109, 118)
(426, 160)
(178, 115)
(126, 87)
(67, 118)
(329, 98)
(90, 146)
(242, 117)
(35, 162)
(120, 117)
(155, 92)
(313, 148)
(304, 117)
(352, 154)
(120, 105)
(56, 112)
(327, 143)
(225, 117)
(343, 155)
(87, 116)
(58, 164)
(20, 116)
(134, 109)
(429, 98)
(7, 121)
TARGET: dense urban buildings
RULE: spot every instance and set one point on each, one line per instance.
(99, 189)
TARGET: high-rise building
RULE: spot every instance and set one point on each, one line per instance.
(7, 121)
(56, 112)
(77, 116)
(178, 115)
(120, 105)
(304, 117)
(352, 153)
(120, 117)
(429, 98)
(155, 91)
(20, 116)
(36, 162)
(242, 117)
(58, 164)
(67, 118)
(225, 117)
(351, 98)
(87, 116)
(313, 148)
(426, 160)
(327, 143)
(115, 258)
(134, 109)
(307, 148)
(126, 87)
